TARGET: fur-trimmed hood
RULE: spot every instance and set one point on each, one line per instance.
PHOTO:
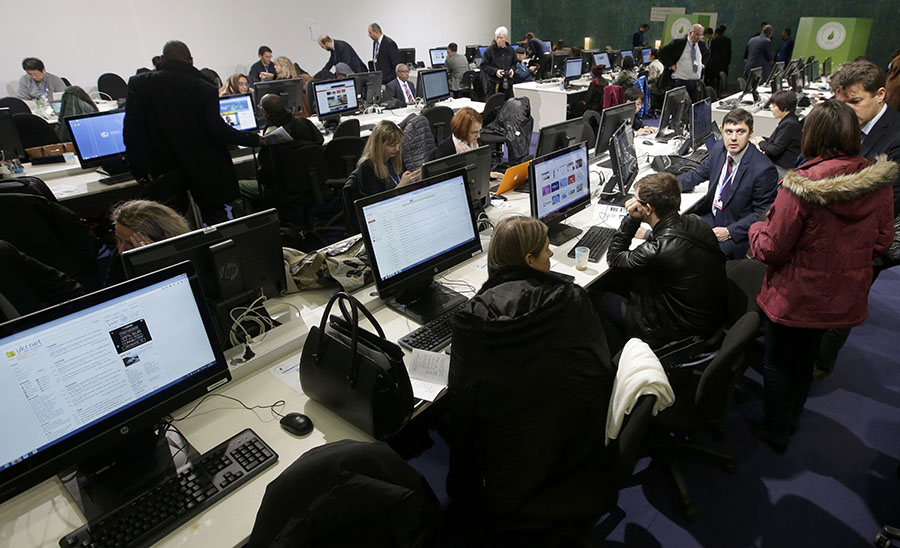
(836, 183)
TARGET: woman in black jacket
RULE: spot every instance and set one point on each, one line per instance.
(530, 382)
(783, 146)
(499, 64)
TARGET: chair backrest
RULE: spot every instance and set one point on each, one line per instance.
(711, 94)
(65, 81)
(467, 78)
(34, 131)
(588, 135)
(592, 118)
(612, 96)
(298, 173)
(717, 381)
(745, 278)
(439, 117)
(723, 81)
(26, 185)
(113, 85)
(492, 107)
(741, 82)
(212, 76)
(625, 450)
(15, 105)
(348, 128)
(311, 95)
(341, 155)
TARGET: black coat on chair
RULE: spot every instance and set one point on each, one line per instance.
(34, 131)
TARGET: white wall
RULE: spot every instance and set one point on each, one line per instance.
(81, 40)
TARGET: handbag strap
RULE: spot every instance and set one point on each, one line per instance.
(352, 317)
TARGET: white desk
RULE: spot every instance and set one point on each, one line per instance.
(548, 100)
(397, 115)
(764, 122)
(102, 106)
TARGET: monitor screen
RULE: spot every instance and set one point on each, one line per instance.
(435, 85)
(335, 97)
(97, 136)
(701, 122)
(646, 54)
(560, 184)
(625, 53)
(290, 90)
(623, 158)
(602, 58)
(10, 144)
(573, 69)
(548, 46)
(438, 56)
(610, 120)
(238, 111)
(81, 375)
(477, 162)
(676, 109)
(559, 136)
(481, 50)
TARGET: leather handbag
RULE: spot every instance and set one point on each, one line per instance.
(357, 374)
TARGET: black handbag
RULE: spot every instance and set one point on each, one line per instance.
(358, 375)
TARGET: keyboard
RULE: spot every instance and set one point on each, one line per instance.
(597, 239)
(113, 179)
(434, 335)
(153, 515)
(698, 155)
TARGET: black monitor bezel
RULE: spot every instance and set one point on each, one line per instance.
(624, 186)
(607, 65)
(566, 126)
(99, 160)
(324, 83)
(423, 74)
(562, 214)
(696, 141)
(479, 190)
(407, 55)
(667, 100)
(777, 67)
(573, 61)
(96, 438)
(248, 94)
(293, 99)
(645, 54)
(606, 117)
(431, 59)
(371, 84)
(16, 148)
(425, 271)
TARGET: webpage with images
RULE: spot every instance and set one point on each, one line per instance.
(238, 112)
(438, 56)
(98, 136)
(58, 378)
(336, 96)
(561, 181)
(417, 226)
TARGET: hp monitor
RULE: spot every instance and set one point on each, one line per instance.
(560, 187)
(645, 53)
(750, 86)
(477, 163)
(435, 85)
(573, 69)
(98, 140)
(368, 87)
(10, 144)
(587, 59)
(615, 58)
(826, 67)
(675, 114)
(334, 98)
(414, 232)
(290, 90)
(602, 58)
(236, 262)
(438, 57)
(610, 120)
(472, 53)
(701, 122)
(86, 386)
(624, 166)
(777, 69)
(238, 111)
(558, 61)
(559, 136)
(408, 56)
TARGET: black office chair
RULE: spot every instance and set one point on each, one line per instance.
(341, 155)
(702, 403)
(311, 96)
(34, 131)
(745, 278)
(347, 128)
(113, 85)
(741, 82)
(212, 76)
(588, 135)
(439, 117)
(723, 82)
(466, 84)
(26, 185)
(65, 81)
(711, 94)
(492, 107)
(15, 105)
(592, 119)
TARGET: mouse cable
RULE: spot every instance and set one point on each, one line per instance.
(279, 404)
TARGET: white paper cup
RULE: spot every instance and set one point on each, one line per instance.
(581, 257)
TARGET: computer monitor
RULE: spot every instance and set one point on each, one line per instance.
(10, 144)
(587, 59)
(626, 53)
(777, 69)
(290, 90)
(481, 50)
(624, 166)
(438, 56)
(645, 53)
(602, 58)
(813, 71)
(559, 188)
(236, 261)
(238, 111)
(558, 63)
(826, 67)
(98, 140)
(334, 98)
(408, 55)
(472, 53)
(701, 123)
(435, 85)
(753, 79)
(368, 87)
(548, 46)
(477, 163)
(615, 58)
(610, 120)
(675, 114)
(559, 136)
(573, 69)
(413, 233)
(87, 384)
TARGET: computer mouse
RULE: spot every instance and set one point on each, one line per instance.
(648, 143)
(297, 424)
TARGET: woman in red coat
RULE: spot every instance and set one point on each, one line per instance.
(830, 218)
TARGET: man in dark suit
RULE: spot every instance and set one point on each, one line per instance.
(683, 59)
(341, 52)
(175, 139)
(399, 88)
(759, 52)
(385, 53)
(742, 184)
(262, 70)
(719, 56)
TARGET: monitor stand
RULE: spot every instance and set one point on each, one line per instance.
(612, 193)
(560, 233)
(330, 122)
(424, 303)
(114, 167)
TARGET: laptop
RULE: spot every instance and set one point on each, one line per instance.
(514, 176)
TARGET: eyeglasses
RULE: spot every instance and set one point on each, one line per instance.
(642, 202)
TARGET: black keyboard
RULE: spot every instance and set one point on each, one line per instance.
(113, 179)
(153, 515)
(698, 155)
(434, 335)
(597, 239)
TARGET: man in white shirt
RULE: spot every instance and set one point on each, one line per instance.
(683, 59)
(400, 88)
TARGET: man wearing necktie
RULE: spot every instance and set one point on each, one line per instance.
(385, 53)
(742, 184)
(399, 88)
(684, 59)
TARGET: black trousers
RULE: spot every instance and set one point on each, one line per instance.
(693, 87)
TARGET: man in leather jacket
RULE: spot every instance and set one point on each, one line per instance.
(676, 278)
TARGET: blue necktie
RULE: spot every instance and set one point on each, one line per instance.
(694, 57)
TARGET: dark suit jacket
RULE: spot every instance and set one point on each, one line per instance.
(884, 138)
(344, 53)
(783, 146)
(759, 54)
(671, 53)
(394, 91)
(172, 125)
(256, 68)
(752, 192)
(719, 54)
(388, 58)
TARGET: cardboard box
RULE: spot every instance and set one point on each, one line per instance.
(56, 149)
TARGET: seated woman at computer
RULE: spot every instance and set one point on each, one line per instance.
(636, 96)
(529, 386)
(499, 64)
(628, 75)
(593, 97)
(234, 84)
(783, 146)
(138, 223)
(465, 130)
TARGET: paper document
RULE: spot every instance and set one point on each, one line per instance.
(428, 373)
(278, 136)
(288, 372)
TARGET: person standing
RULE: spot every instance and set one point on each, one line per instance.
(385, 53)
(340, 52)
(836, 204)
(499, 63)
(264, 69)
(684, 59)
(786, 48)
(37, 82)
(175, 139)
(759, 53)
(719, 56)
(638, 40)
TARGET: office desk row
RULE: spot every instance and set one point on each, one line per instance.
(764, 122)
(42, 515)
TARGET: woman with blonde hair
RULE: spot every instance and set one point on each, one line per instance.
(284, 68)
(142, 222)
(236, 83)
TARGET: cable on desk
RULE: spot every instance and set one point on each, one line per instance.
(469, 288)
(280, 404)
